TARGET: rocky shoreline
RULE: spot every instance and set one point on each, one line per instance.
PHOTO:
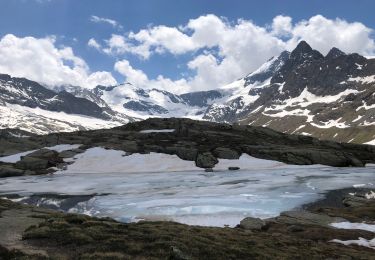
(29, 232)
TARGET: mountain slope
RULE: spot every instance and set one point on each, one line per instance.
(29, 106)
(153, 102)
(329, 97)
(298, 92)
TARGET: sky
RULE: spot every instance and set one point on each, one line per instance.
(178, 46)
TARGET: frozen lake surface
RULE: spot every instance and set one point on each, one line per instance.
(189, 196)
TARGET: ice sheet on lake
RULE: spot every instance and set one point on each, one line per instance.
(193, 197)
(58, 148)
(160, 186)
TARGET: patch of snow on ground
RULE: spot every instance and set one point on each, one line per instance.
(307, 98)
(35, 120)
(331, 123)
(365, 106)
(370, 195)
(360, 242)
(363, 80)
(157, 131)
(349, 225)
(371, 142)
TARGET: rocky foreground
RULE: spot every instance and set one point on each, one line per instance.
(28, 232)
(199, 141)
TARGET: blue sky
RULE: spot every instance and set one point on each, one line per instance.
(71, 24)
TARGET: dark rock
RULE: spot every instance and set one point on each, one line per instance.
(354, 201)
(206, 160)
(31, 163)
(306, 218)
(226, 153)
(130, 146)
(233, 168)
(67, 154)
(189, 154)
(10, 171)
(208, 170)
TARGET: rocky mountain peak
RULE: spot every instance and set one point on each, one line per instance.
(334, 53)
(304, 52)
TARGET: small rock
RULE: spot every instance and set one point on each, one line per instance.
(233, 168)
(208, 170)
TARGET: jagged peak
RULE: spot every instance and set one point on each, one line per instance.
(334, 53)
(303, 51)
(303, 46)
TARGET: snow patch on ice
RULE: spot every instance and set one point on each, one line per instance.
(100, 160)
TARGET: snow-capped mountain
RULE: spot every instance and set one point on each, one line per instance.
(29, 106)
(299, 92)
(304, 92)
(152, 102)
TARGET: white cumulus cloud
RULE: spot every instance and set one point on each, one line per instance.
(97, 19)
(40, 60)
(94, 44)
(229, 50)
(140, 79)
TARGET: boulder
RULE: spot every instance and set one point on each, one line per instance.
(252, 223)
(9, 171)
(233, 168)
(31, 163)
(45, 154)
(226, 153)
(189, 154)
(206, 160)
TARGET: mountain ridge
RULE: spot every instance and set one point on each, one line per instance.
(298, 92)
